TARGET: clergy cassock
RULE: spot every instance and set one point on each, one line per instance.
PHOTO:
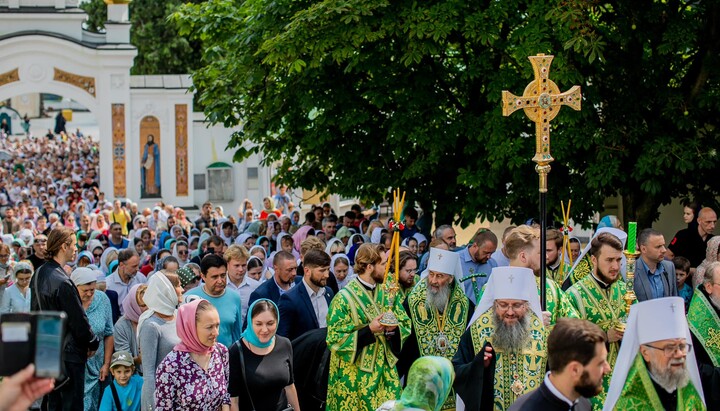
(704, 321)
(583, 266)
(436, 333)
(604, 306)
(362, 366)
(510, 374)
(631, 387)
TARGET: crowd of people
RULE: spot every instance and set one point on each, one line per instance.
(263, 311)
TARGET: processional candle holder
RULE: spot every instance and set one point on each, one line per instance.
(631, 256)
(389, 319)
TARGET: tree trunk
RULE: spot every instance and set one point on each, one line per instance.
(641, 208)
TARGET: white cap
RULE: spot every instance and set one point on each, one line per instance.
(442, 261)
(649, 321)
(661, 319)
(509, 283)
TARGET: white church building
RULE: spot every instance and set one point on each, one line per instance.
(45, 49)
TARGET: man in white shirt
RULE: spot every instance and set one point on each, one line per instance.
(236, 257)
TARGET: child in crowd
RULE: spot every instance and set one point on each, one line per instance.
(682, 270)
(123, 394)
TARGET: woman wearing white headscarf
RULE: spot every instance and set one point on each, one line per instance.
(342, 270)
(332, 249)
(99, 313)
(156, 331)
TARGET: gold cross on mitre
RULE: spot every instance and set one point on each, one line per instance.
(541, 101)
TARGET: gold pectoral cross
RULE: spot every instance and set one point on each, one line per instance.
(541, 101)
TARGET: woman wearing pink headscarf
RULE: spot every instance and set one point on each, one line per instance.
(300, 235)
(125, 330)
(194, 375)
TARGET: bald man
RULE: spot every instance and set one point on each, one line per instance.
(691, 242)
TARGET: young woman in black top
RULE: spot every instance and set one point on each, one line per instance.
(261, 375)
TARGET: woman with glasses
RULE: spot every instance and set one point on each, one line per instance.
(17, 297)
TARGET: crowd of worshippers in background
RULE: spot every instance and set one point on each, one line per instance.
(268, 312)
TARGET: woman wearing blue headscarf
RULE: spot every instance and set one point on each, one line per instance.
(261, 364)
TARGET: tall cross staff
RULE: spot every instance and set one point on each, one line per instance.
(541, 102)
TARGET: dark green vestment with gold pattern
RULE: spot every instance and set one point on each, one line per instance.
(431, 340)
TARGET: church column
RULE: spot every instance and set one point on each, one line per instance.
(118, 151)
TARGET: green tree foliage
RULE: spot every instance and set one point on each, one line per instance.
(357, 96)
(161, 50)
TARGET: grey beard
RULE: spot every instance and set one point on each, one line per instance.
(510, 338)
(715, 301)
(669, 379)
(438, 299)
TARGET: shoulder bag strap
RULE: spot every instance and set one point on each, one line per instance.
(242, 370)
(115, 395)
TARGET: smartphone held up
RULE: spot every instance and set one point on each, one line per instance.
(36, 338)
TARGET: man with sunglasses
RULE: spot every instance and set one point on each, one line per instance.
(39, 247)
(656, 368)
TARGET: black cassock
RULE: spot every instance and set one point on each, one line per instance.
(311, 362)
(474, 382)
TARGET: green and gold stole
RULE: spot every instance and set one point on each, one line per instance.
(639, 393)
(705, 324)
(515, 373)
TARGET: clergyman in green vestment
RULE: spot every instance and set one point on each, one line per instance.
(583, 265)
(363, 355)
(656, 367)
(502, 355)
(439, 310)
(704, 321)
(598, 297)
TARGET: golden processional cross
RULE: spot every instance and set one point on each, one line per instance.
(541, 102)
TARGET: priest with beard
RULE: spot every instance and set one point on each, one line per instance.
(502, 354)
(598, 297)
(704, 321)
(439, 311)
(656, 368)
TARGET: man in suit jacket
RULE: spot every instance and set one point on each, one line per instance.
(577, 359)
(654, 277)
(283, 281)
(305, 307)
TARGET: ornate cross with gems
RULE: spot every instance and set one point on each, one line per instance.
(541, 102)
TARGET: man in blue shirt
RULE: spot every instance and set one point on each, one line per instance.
(654, 277)
(213, 270)
(115, 239)
(475, 259)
